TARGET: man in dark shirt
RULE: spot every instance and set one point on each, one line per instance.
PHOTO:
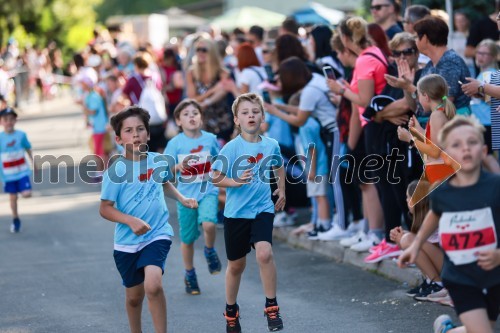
(385, 13)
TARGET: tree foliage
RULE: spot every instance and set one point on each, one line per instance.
(68, 22)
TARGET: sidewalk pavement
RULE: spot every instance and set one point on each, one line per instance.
(338, 253)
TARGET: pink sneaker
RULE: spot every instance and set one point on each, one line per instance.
(383, 251)
(375, 247)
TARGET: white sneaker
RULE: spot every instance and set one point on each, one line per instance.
(367, 242)
(335, 233)
(356, 227)
(356, 238)
(279, 220)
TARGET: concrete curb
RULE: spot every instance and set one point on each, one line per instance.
(336, 252)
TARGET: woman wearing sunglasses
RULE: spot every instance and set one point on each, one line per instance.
(204, 84)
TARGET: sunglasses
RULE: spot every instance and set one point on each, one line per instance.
(379, 7)
(202, 49)
(406, 52)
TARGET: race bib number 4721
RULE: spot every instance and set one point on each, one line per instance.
(463, 234)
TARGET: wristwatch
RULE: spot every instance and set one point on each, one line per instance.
(342, 91)
(414, 95)
(480, 89)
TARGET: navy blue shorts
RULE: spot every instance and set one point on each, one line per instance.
(131, 265)
(18, 186)
(240, 235)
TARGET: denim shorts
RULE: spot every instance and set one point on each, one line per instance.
(190, 219)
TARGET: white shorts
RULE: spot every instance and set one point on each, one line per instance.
(317, 189)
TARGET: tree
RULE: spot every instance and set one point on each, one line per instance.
(67, 22)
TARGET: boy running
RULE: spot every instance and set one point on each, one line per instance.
(243, 166)
(132, 196)
(16, 171)
(193, 150)
(466, 209)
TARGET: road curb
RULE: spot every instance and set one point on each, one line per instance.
(333, 250)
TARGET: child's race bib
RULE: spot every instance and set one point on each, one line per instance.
(463, 234)
(199, 167)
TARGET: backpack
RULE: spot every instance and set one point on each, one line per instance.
(152, 100)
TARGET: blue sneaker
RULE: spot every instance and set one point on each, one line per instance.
(443, 324)
(191, 283)
(15, 227)
(214, 265)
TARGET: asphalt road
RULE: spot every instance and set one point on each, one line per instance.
(58, 274)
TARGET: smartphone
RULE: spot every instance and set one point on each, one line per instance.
(329, 72)
(269, 73)
(266, 97)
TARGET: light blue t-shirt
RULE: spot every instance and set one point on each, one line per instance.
(13, 156)
(239, 155)
(309, 134)
(479, 107)
(193, 183)
(95, 102)
(279, 129)
(136, 188)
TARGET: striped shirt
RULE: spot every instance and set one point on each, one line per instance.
(495, 115)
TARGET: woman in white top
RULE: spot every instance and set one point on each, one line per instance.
(252, 74)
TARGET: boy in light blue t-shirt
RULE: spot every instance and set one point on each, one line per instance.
(133, 197)
(244, 166)
(192, 150)
(15, 170)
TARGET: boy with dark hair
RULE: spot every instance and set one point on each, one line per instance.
(192, 150)
(14, 145)
(243, 167)
(132, 196)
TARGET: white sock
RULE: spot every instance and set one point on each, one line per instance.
(440, 283)
(324, 223)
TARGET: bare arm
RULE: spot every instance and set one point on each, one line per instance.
(292, 109)
(191, 89)
(396, 108)
(280, 191)
(172, 193)
(355, 128)
(221, 180)
(297, 120)
(366, 92)
(110, 213)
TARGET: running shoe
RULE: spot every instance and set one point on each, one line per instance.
(274, 321)
(357, 238)
(15, 227)
(313, 235)
(233, 323)
(413, 291)
(443, 324)
(191, 283)
(383, 251)
(366, 243)
(335, 233)
(214, 265)
(431, 288)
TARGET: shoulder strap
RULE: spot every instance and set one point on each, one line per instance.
(257, 72)
(386, 63)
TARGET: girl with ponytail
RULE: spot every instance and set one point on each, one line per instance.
(433, 96)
